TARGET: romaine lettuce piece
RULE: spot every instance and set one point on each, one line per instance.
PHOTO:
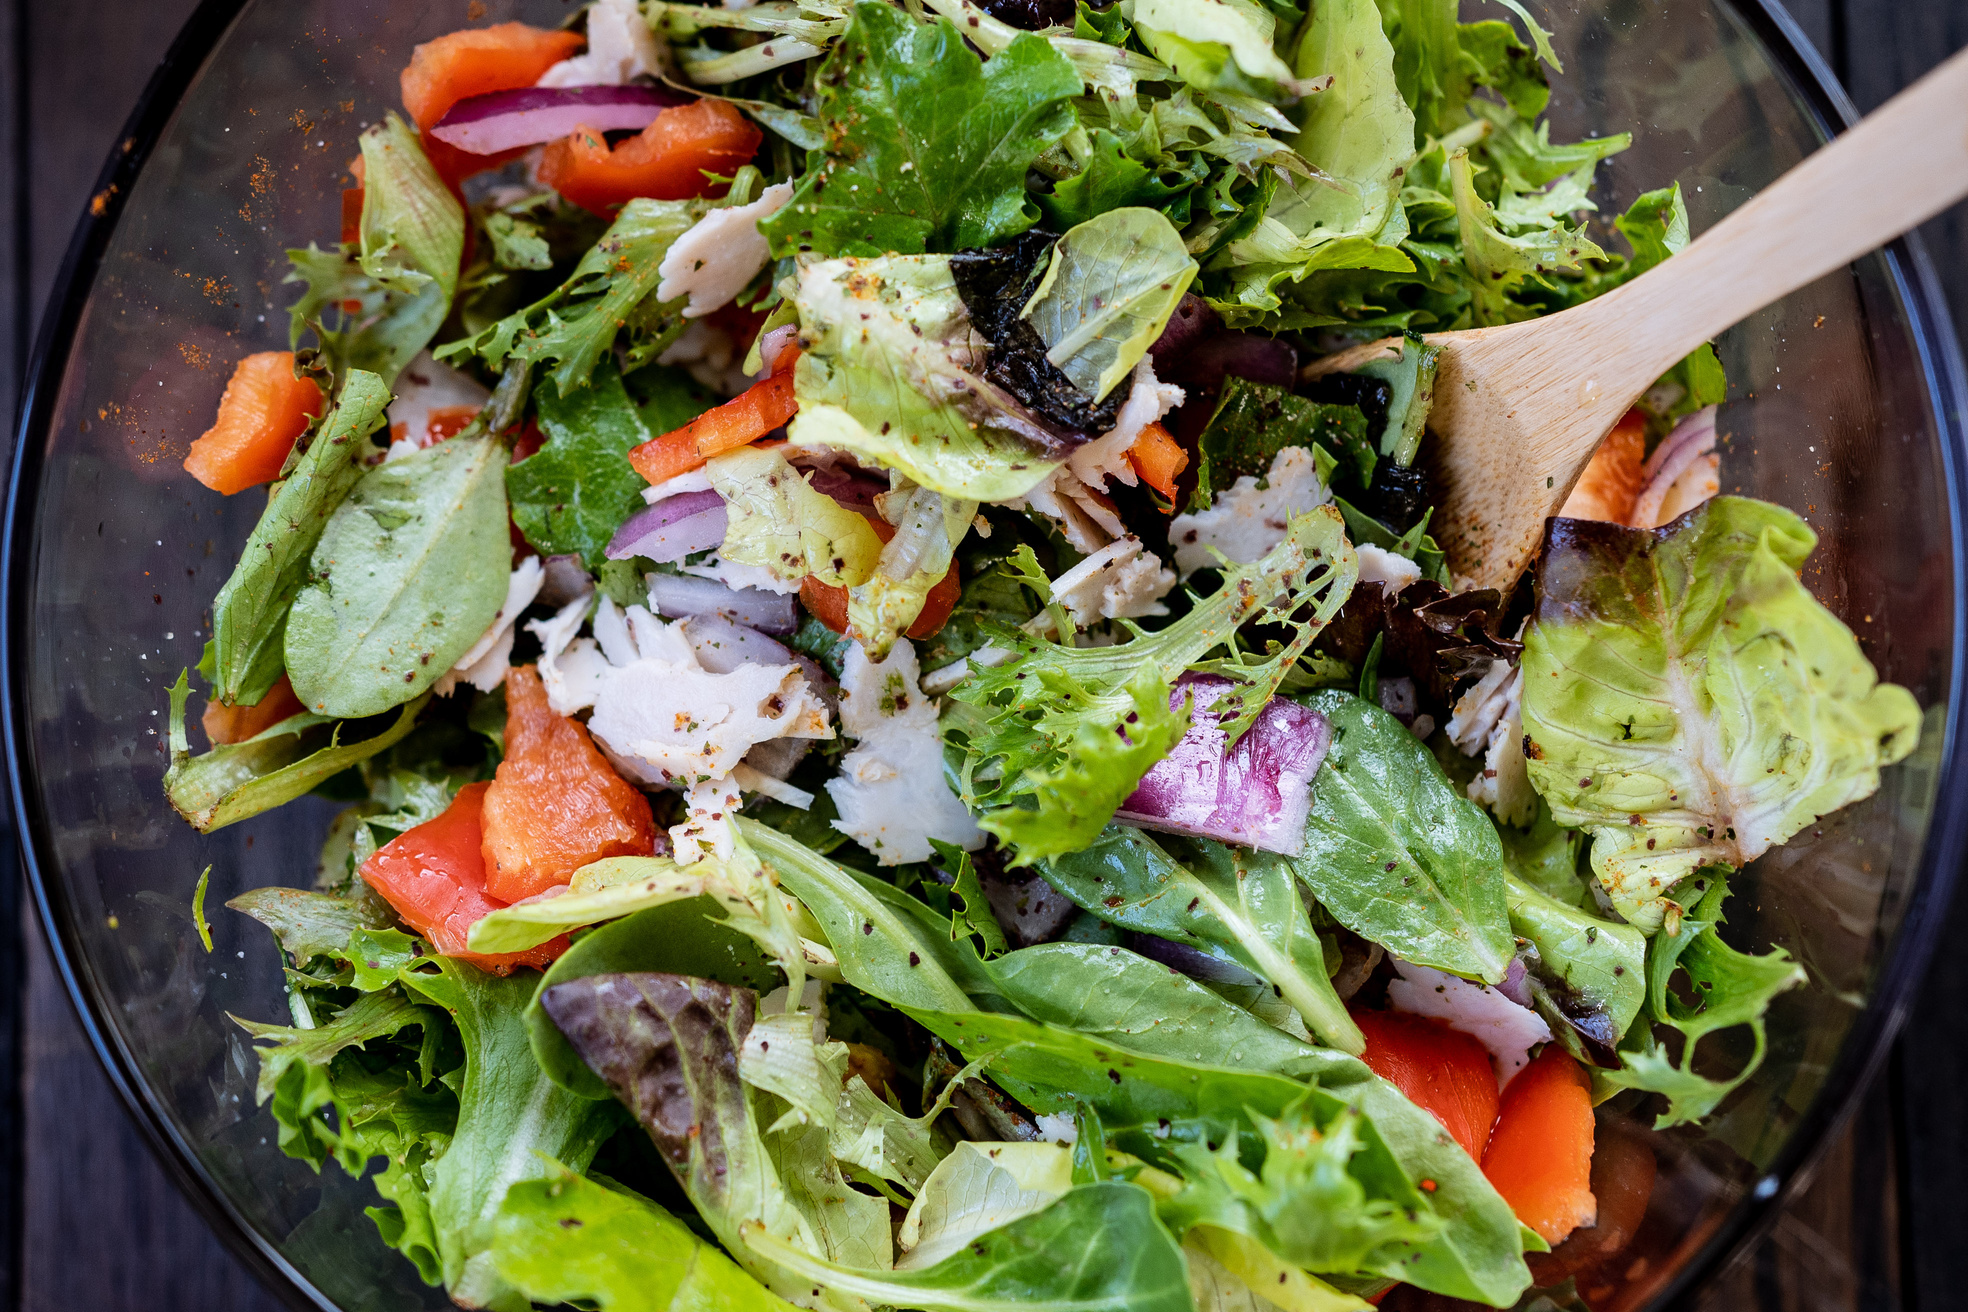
(891, 373)
(1689, 703)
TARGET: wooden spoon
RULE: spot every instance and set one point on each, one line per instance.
(1520, 408)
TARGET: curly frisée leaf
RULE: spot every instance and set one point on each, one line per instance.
(1689, 703)
(1107, 295)
(892, 372)
(1025, 719)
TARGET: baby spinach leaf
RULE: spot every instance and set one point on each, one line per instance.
(569, 1238)
(681, 938)
(571, 495)
(1107, 294)
(931, 143)
(236, 781)
(1255, 421)
(249, 615)
(1233, 902)
(410, 571)
(1397, 854)
(1098, 1248)
(1729, 988)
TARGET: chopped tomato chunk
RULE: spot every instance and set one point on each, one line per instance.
(235, 724)
(460, 65)
(1540, 1154)
(263, 410)
(557, 804)
(667, 161)
(1441, 1070)
(434, 876)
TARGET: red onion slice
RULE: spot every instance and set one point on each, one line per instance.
(679, 595)
(723, 646)
(528, 116)
(672, 529)
(1692, 438)
(1257, 795)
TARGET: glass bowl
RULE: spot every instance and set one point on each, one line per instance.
(113, 554)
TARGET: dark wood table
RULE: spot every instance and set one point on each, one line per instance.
(87, 1219)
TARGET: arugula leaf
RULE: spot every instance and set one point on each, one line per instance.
(1395, 851)
(970, 911)
(511, 1120)
(569, 1238)
(1254, 421)
(930, 143)
(411, 569)
(1025, 717)
(1098, 1248)
(249, 616)
(1097, 770)
(775, 520)
(886, 374)
(610, 291)
(1107, 294)
(679, 938)
(237, 781)
(357, 322)
(1689, 703)
(571, 495)
(1230, 902)
(1730, 988)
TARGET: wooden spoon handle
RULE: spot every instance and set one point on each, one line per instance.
(1903, 164)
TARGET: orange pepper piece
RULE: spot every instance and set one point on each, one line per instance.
(744, 419)
(263, 410)
(557, 804)
(1157, 459)
(434, 876)
(1611, 481)
(666, 162)
(1540, 1154)
(828, 603)
(1441, 1070)
(235, 724)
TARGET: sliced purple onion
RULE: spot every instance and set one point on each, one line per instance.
(851, 488)
(774, 342)
(723, 646)
(528, 116)
(1192, 320)
(672, 529)
(1257, 795)
(679, 595)
(1692, 438)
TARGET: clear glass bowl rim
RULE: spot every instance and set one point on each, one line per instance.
(1903, 967)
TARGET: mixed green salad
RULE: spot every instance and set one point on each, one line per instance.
(901, 743)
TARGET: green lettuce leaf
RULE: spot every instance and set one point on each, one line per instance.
(775, 520)
(1107, 294)
(1498, 263)
(1098, 1248)
(1113, 178)
(1224, 45)
(1589, 975)
(886, 374)
(569, 1238)
(1231, 902)
(236, 781)
(1411, 380)
(413, 228)
(1255, 421)
(1024, 719)
(249, 616)
(611, 291)
(309, 924)
(1395, 851)
(1689, 703)
(928, 527)
(571, 495)
(929, 145)
(513, 1122)
(409, 572)
(1729, 988)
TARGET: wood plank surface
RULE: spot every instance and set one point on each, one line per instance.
(87, 1219)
